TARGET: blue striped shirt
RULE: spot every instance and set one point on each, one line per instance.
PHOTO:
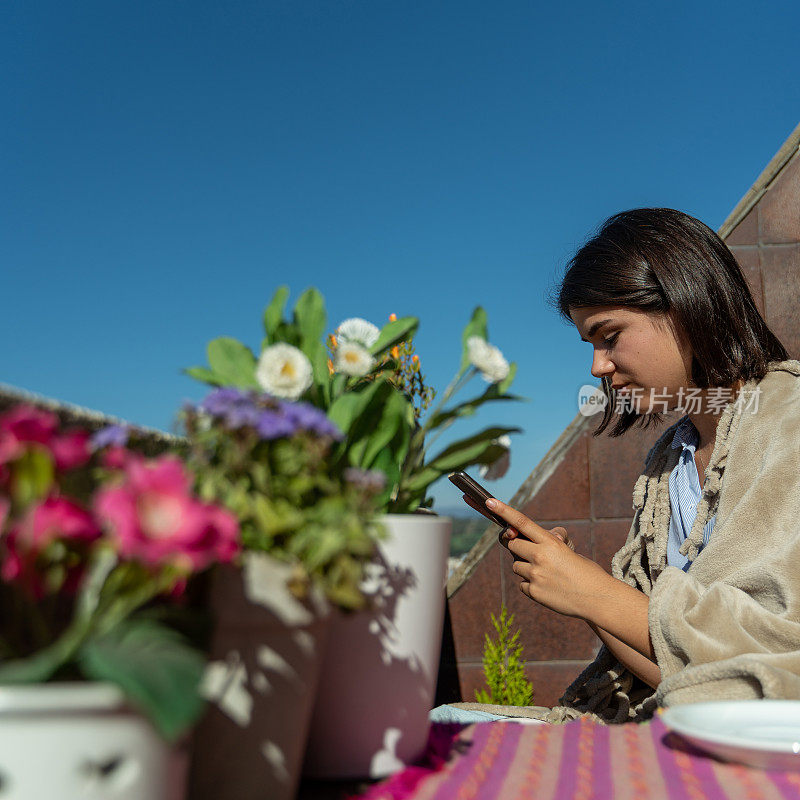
(684, 495)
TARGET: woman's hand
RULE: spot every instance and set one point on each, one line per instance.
(507, 533)
(552, 574)
(555, 576)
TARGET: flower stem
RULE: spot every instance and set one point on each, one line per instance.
(417, 447)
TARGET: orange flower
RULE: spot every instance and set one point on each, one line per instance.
(334, 343)
(395, 351)
(392, 317)
(330, 367)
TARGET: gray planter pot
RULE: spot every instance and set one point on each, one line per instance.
(261, 683)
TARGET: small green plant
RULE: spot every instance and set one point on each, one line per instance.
(503, 666)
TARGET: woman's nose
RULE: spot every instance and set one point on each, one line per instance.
(601, 365)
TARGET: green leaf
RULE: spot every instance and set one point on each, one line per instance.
(338, 385)
(387, 463)
(398, 415)
(310, 320)
(287, 332)
(400, 330)
(310, 316)
(273, 313)
(469, 407)
(203, 374)
(274, 517)
(318, 356)
(448, 457)
(348, 407)
(475, 450)
(33, 475)
(157, 670)
(346, 595)
(385, 413)
(345, 409)
(232, 362)
(477, 326)
(505, 384)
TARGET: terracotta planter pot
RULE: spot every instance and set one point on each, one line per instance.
(76, 741)
(264, 671)
(380, 668)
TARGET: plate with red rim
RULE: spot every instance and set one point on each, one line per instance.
(759, 733)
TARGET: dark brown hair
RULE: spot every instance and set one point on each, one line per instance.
(665, 262)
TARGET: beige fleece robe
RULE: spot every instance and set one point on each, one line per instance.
(729, 628)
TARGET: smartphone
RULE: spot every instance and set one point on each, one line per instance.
(473, 489)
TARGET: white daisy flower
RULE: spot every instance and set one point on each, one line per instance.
(284, 371)
(495, 471)
(358, 331)
(353, 359)
(488, 359)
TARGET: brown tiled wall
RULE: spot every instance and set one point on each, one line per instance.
(767, 245)
(590, 491)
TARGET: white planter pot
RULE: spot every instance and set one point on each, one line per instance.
(76, 741)
(380, 667)
(265, 662)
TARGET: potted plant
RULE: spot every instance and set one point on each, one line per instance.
(97, 545)
(306, 531)
(370, 384)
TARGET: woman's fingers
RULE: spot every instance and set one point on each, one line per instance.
(521, 568)
(517, 520)
(505, 534)
(562, 534)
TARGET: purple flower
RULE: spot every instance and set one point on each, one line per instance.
(111, 435)
(220, 401)
(242, 415)
(309, 418)
(273, 419)
(236, 407)
(274, 425)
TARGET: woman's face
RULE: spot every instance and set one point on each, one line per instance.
(636, 350)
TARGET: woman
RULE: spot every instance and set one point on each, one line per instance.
(704, 597)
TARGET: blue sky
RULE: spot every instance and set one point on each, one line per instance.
(166, 165)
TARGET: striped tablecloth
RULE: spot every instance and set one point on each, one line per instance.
(504, 761)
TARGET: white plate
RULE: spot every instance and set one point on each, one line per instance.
(760, 733)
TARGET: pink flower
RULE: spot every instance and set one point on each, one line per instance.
(154, 518)
(53, 518)
(10, 448)
(59, 518)
(26, 425)
(115, 457)
(70, 450)
(13, 564)
(29, 424)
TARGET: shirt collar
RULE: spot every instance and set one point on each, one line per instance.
(685, 435)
